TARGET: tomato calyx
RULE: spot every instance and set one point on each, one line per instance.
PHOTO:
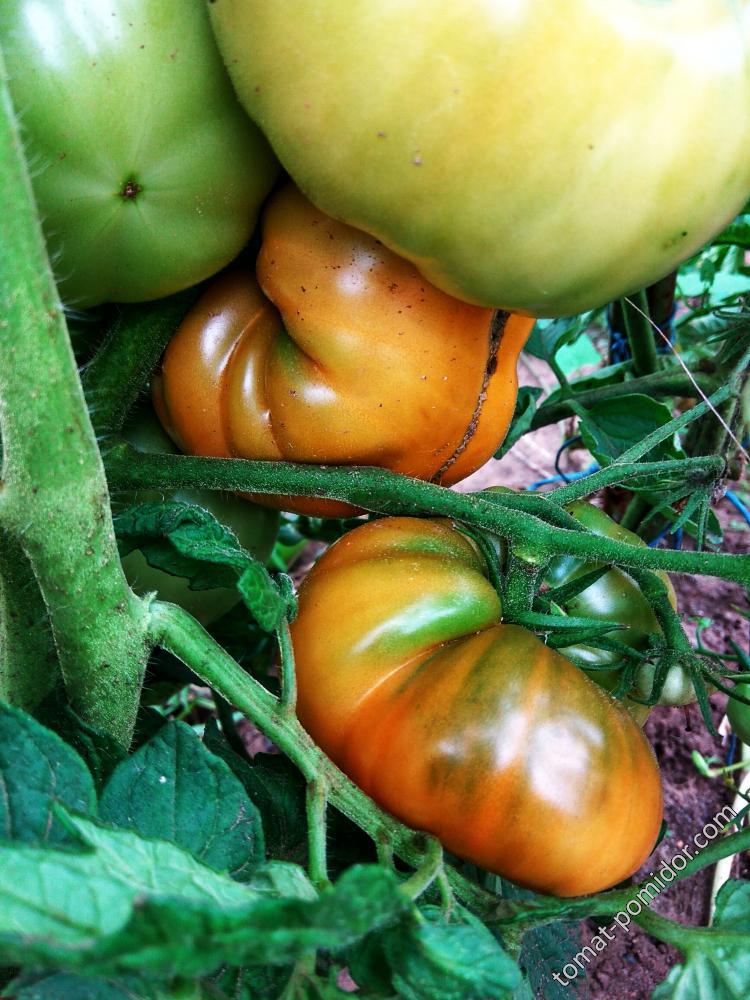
(130, 189)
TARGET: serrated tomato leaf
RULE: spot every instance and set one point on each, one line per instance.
(133, 905)
(37, 770)
(612, 426)
(717, 962)
(174, 789)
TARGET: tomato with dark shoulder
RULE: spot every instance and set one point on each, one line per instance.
(255, 528)
(545, 156)
(147, 173)
(463, 727)
(341, 353)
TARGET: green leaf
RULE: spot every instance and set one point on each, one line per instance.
(522, 417)
(611, 375)
(550, 336)
(262, 596)
(185, 540)
(737, 233)
(282, 878)
(733, 906)
(717, 962)
(37, 770)
(435, 960)
(277, 789)
(182, 539)
(612, 426)
(544, 951)
(62, 986)
(99, 751)
(174, 789)
(136, 905)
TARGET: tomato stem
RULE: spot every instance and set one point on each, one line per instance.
(317, 805)
(427, 872)
(640, 333)
(54, 501)
(288, 672)
(672, 381)
(387, 492)
(123, 364)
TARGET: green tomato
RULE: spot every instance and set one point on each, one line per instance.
(254, 526)
(147, 173)
(678, 686)
(544, 156)
(616, 597)
(739, 714)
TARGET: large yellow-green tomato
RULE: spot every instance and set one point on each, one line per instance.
(544, 156)
(147, 172)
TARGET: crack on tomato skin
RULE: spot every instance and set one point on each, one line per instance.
(497, 329)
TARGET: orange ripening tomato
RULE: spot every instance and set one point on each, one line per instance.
(346, 357)
(463, 727)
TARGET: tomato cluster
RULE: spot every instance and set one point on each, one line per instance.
(495, 165)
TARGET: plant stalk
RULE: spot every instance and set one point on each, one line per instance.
(54, 501)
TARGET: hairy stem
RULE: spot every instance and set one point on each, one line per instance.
(28, 662)
(695, 471)
(317, 806)
(123, 364)
(390, 493)
(54, 501)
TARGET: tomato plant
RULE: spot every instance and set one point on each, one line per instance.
(254, 526)
(143, 851)
(147, 173)
(343, 354)
(511, 134)
(469, 729)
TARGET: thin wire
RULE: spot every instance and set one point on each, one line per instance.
(689, 374)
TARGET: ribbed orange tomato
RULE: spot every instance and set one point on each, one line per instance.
(458, 725)
(347, 357)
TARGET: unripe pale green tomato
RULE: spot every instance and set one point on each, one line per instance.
(616, 596)
(254, 526)
(147, 173)
(739, 713)
(543, 156)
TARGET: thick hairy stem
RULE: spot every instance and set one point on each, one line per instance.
(390, 493)
(54, 500)
(177, 631)
(28, 662)
(128, 356)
